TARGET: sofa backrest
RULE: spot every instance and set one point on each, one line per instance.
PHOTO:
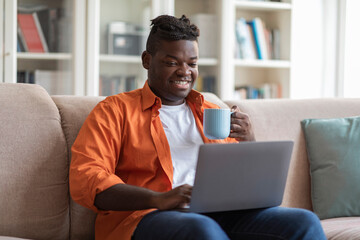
(280, 120)
(73, 111)
(34, 201)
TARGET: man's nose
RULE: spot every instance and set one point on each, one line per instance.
(184, 69)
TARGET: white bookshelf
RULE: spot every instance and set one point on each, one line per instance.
(70, 38)
(88, 58)
(237, 72)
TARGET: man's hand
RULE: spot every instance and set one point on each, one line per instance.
(178, 197)
(241, 128)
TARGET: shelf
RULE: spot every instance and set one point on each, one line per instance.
(262, 63)
(262, 6)
(137, 59)
(44, 56)
(120, 58)
(207, 62)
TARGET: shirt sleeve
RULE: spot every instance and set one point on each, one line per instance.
(95, 154)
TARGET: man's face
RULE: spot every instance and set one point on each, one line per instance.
(173, 69)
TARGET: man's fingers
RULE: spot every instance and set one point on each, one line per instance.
(239, 136)
(237, 128)
(240, 115)
(241, 128)
(242, 122)
(235, 109)
(185, 192)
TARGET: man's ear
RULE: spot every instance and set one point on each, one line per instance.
(146, 58)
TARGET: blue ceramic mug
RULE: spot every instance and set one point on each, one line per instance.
(217, 123)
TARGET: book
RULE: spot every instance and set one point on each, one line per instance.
(18, 47)
(260, 28)
(259, 38)
(25, 77)
(209, 84)
(54, 82)
(21, 41)
(240, 93)
(275, 43)
(115, 84)
(48, 19)
(252, 41)
(40, 32)
(262, 91)
(244, 40)
(268, 42)
(199, 84)
(64, 31)
(32, 32)
(130, 83)
(256, 38)
(20, 78)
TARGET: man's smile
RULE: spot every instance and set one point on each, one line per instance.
(182, 84)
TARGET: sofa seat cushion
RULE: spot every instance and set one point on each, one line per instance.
(343, 228)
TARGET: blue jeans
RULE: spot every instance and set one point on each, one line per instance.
(269, 223)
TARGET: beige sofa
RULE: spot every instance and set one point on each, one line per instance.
(37, 131)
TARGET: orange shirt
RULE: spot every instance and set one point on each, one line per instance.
(123, 141)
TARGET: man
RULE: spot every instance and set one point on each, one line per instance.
(135, 156)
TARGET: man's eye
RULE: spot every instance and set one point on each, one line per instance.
(193, 64)
(171, 63)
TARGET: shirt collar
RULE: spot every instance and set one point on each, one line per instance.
(149, 99)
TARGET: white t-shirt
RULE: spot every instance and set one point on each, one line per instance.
(184, 140)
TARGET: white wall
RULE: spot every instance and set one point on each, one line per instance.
(351, 77)
(325, 49)
(306, 49)
(331, 42)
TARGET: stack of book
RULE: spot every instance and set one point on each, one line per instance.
(111, 85)
(205, 83)
(39, 29)
(255, 41)
(55, 82)
(264, 91)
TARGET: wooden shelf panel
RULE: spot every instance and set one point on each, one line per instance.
(44, 56)
(137, 59)
(263, 6)
(262, 63)
(120, 58)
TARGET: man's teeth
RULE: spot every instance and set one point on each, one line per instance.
(181, 82)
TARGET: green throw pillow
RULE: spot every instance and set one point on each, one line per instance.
(333, 147)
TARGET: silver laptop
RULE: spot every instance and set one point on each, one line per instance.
(240, 176)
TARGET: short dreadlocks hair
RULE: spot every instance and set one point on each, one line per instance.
(170, 28)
